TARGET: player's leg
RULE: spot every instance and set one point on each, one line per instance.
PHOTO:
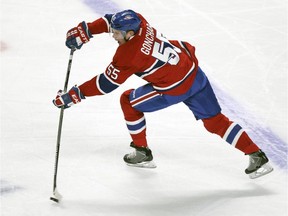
(234, 134)
(136, 124)
(231, 132)
(134, 103)
(205, 106)
(135, 120)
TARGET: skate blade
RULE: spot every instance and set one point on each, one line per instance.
(265, 169)
(148, 164)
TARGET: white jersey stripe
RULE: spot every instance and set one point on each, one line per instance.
(141, 101)
(175, 84)
(135, 122)
(182, 45)
(139, 98)
(98, 86)
(107, 23)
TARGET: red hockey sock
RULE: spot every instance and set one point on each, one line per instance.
(135, 121)
(246, 145)
(231, 133)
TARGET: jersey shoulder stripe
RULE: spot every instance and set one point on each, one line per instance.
(153, 68)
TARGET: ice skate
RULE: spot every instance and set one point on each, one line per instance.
(141, 157)
(258, 165)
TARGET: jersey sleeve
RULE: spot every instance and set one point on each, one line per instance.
(101, 25)
(89, 88)
(98, 85)
(106, 82)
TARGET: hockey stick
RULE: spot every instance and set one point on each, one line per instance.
(56, 195)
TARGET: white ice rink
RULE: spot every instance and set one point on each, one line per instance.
(242, 47)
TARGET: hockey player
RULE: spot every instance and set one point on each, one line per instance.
(171, 70)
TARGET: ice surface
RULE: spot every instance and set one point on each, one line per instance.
(242, 47)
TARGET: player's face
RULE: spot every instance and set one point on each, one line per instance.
(118, 36)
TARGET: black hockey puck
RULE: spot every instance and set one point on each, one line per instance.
(54, 199)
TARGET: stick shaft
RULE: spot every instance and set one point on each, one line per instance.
(61, 121)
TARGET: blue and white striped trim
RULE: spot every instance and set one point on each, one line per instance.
(184, 47)
(137, 126)
(233, 134)
(107, 18)
(153, 68)
(144, 98)
(105, 84)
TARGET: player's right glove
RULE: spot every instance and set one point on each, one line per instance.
(66, 100)
(77, 36)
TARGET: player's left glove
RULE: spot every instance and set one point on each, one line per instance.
(66, 100)
(77, 36)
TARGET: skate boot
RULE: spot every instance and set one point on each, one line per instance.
(258, 165)
(141, 157)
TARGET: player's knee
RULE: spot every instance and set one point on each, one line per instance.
(217, 124)
(124, 98)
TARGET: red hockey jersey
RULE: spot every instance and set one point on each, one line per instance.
(170, 66)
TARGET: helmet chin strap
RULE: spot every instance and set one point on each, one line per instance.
(125, 34)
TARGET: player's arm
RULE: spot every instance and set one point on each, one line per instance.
(101, 84)
(98, 85)
(101, 25)
(106, 82)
